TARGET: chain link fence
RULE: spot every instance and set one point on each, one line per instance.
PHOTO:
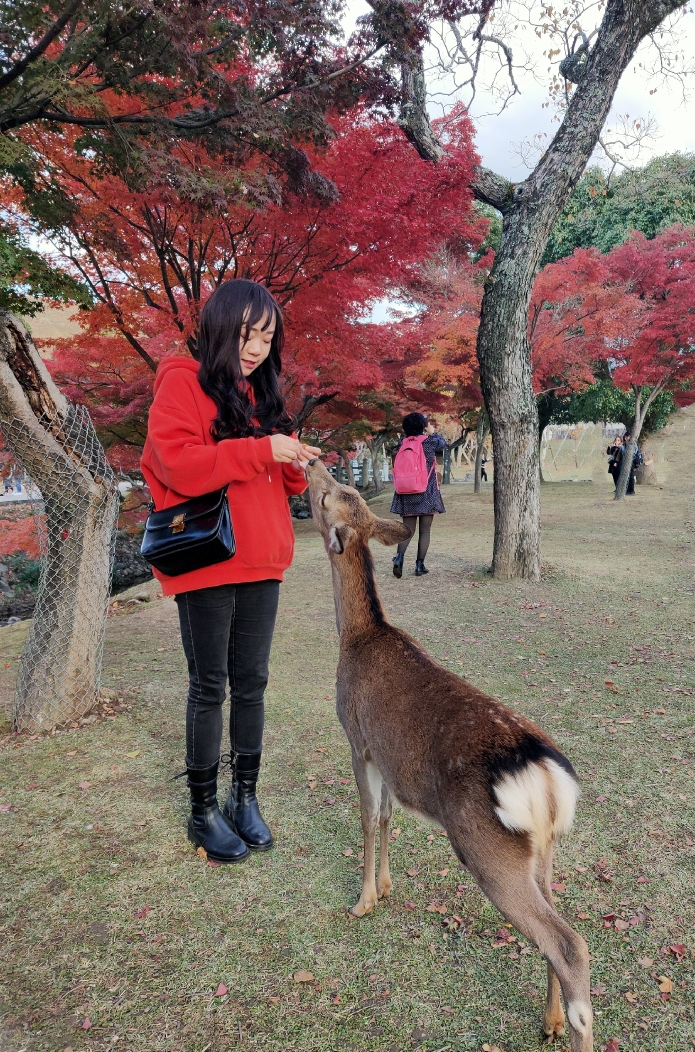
(76, 518)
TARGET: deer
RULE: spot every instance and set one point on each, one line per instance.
(426, 740)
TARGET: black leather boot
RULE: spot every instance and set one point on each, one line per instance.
(206, 827)
(242, 808)
(420, 567)
(398, 564)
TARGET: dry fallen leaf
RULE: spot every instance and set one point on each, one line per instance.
(348, 851)
(85, 785)
(645, 962)
(631, 998)
(621, 925)
(201, 852)
(496, 1048)
(221, 991)
(303, 976)
(443, 872)
(665, 984)
(87, 1023)
(133, 754)
(412, 872)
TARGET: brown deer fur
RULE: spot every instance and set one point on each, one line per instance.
(426, 740)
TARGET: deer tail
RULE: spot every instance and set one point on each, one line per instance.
(537, 797)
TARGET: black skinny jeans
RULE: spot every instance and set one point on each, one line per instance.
(226, 633)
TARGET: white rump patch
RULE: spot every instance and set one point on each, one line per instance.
(580, 1016)
(540, 799)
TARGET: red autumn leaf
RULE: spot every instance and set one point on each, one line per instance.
(613, 1045)
(410, 905)
(221, 990)
(556, 886)
(86, 1025)
(143, 912)
(677, 949)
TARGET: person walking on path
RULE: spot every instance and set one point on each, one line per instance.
(419, 508)
(220, 422)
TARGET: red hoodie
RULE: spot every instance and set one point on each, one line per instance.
(182, 460)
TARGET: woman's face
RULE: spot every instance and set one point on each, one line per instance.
(618, 441)
(254, 345)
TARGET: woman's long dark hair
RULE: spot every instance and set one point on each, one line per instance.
(230, 313)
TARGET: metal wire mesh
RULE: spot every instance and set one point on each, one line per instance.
(61, 663)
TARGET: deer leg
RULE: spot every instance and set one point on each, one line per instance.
(508, 881)
(383, 880)
(369, 784)
(553, 1016)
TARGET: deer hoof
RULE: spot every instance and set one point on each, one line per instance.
(362, 908)
(383, 889)
(554, 1026)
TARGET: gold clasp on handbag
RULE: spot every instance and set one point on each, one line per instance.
(178, 524)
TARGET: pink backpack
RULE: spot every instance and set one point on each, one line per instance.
(410, 474)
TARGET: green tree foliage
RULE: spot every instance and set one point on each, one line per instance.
(28, 278)
(601, 402)
(602, 212)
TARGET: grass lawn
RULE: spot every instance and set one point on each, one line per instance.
(116, 935)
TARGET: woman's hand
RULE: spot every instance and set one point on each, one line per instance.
(286, 450)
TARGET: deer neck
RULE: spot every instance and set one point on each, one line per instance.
(358, 607)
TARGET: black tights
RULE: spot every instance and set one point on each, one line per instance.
(423, 540)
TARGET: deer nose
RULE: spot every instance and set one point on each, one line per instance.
(312, 461)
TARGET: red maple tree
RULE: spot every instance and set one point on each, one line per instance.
(151, 257)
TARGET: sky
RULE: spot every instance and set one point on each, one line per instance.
(496, 135)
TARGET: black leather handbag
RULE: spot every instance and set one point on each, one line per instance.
(189, 536)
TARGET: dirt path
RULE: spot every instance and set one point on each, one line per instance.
(116, 935)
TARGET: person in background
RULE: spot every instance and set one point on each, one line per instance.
(615, 452)
(419, 508)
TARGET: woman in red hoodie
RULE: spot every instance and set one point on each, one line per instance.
(214, 422)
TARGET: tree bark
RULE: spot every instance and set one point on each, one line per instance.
(376, 445)
(481, 434)
(529, 211)
(646, 474)
(55, 442)
(347, 466)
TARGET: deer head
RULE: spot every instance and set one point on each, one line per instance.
(342, 516)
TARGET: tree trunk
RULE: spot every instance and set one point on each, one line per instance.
(481, 434)
(350, 474)
(375, 447)
(646, 474)
(637, 425)
(529, 211)
(55, 442)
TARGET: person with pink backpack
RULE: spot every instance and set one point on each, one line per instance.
(417, 496)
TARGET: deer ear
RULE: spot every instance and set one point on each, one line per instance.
(338, 537)
(389, 531)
